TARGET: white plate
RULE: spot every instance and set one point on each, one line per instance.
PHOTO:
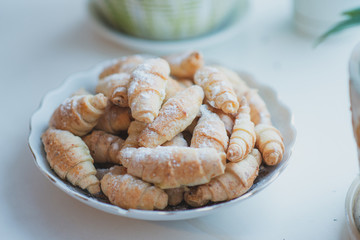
(228, 30)
(281, 116)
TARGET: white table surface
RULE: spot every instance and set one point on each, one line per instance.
(43, 42)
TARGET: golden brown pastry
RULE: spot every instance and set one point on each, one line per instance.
(227, 119)
(270, 143)
(258, 110)
(185, 82)
(123, 65)
(172, 167)
(115, 87)
(218, 90)
(236, 181)
(239, 85)
(101, 172)
(175, 115)
(104, 147)
(126, 191)
(172, 88)
(268, 139)
(115, 119)
(70, 158)
(243, 137)
(210, 131)
(134, 131)
(175, 195)
(178, 140)
(146, 90)
(79, 114)
(185, 64)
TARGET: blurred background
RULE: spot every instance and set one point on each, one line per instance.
(43, 42)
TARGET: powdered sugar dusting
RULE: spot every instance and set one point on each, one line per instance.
(142, 77)
(210, 131)
(119, 90)
(115, 146)
(70, 103)
(130, 63)
(143, 162)
(146, 95)
(170, 110)
(177, 59)
(68, 108)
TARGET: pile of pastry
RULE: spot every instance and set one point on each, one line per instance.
(172, 129)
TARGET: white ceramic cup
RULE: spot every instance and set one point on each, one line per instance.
(314, 17)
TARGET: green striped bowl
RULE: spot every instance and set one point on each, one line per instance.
(165, 19)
